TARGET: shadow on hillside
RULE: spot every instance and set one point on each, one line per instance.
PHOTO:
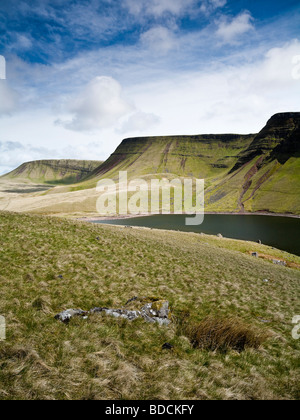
(29, 190)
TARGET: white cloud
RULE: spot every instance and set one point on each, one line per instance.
(158, 7)
(22, 42)
(227, 98)
(98, 106)
(230, 30)
(8, 98)
(209, 6)
(279, 65)
(82, 19)
(139, 122)
(217, 3)
(159, 39)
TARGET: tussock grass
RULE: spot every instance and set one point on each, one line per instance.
(48, 265)
(223, 334)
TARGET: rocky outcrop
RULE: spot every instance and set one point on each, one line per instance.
(279, 139)
(152, 310)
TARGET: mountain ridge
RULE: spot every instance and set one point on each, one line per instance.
(239, 169)
(244, 173)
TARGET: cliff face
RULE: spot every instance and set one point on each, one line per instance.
(266, 176)
(279, 139)
(53, 171)
(279, 129)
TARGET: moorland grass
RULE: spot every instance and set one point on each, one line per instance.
(48, 265)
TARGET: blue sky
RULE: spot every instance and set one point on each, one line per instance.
(82, 75)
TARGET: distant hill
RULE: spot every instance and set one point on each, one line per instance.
(53, 172)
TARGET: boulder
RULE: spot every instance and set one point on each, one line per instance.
(123, 313)
(280, 262)
(65, 316)
(149, 308)
(157, 312)
(152, 309)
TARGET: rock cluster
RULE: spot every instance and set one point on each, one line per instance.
(150, 309)
(280, 262)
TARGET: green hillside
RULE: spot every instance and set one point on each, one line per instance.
(48, 265)
(53, 171)
(201, 156)
(242, 172)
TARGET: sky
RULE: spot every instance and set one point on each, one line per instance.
(83, 75)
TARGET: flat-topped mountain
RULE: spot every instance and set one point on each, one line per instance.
(255, 172)
(53, 171)
(200, 156)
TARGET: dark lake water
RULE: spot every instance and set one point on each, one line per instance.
(280, 232)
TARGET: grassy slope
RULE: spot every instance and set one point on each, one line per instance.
(208, 157)
(281, 192)
(108, 358)
(53, 172)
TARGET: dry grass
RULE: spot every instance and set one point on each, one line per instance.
(48, 265)
(223, 334)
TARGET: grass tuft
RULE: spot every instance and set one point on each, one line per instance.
(42, 304)
(223, 334)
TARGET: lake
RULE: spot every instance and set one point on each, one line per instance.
(279, 232)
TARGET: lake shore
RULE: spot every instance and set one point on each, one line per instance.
(131, 216)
